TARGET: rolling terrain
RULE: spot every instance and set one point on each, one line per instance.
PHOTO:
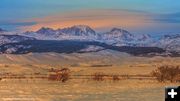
(31, 55)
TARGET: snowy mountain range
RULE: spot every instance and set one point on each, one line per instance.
(79, 32)
(169, 42)
(5, 39)
(113, 39)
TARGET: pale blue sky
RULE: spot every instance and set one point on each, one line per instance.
(12, 11)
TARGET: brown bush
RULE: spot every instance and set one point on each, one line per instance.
(167, 73)
(99, 76)
(115, 78)
(62, 75)
(125, 76)
(53, 77)
(177, 78)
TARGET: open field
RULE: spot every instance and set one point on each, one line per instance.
(82, 89)
(73, 90)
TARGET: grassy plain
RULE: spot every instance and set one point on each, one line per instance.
(82, 89)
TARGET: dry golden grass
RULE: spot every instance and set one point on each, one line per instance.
(74, 90)
(83, 90)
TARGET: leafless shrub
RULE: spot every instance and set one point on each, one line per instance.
(115, 78)
(53, 77)
(177, 78)
(167, 73)
(125, 76)
(99, 76)
(62, 75)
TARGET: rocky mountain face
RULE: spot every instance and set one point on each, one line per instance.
(119, 34)
(12, 39)
(170, 43)
(79, 30)
(46, 31)
(116, 38)
(4, 39)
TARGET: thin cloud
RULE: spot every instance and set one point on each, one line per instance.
(17, 23)
(94, 18)
(168, 18)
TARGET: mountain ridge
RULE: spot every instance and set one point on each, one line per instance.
(116, 37)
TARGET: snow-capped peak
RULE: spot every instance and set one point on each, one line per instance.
(119, 34)
(144, 37)
(169, 42)
(118, 30)
(79, 30)
(83, 27)
(45, 31)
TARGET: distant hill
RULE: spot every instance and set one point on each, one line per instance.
(82, 38)
(43, 46)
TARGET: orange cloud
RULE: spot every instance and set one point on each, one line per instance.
(95, 18)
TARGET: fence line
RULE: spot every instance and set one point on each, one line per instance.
(45, 76)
